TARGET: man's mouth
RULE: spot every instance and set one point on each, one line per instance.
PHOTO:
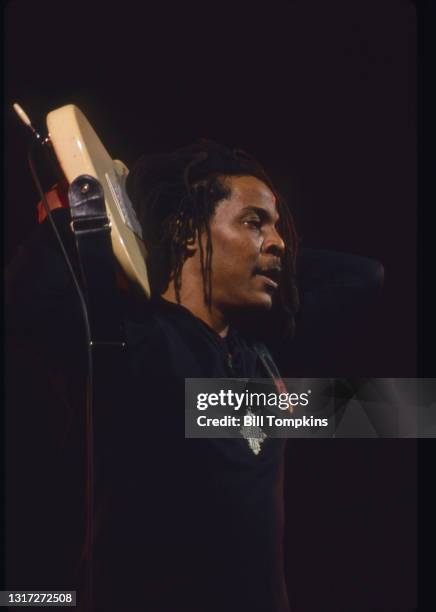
(271, 275)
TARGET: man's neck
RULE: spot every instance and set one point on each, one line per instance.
(211, 316)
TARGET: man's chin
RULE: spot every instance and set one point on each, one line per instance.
(265, 305)
(263, 301)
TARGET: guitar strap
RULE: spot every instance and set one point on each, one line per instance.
(270, 367)
(91, 228)
(92, 232)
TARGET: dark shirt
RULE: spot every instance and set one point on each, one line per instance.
(214, 509)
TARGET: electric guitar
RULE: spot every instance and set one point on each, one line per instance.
(80, 151)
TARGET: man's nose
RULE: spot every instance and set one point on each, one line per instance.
(274, 244)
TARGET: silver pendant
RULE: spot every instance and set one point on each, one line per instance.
(254, 435)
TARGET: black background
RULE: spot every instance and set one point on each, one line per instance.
(324, 94)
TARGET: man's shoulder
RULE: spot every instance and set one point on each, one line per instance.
(164, 338)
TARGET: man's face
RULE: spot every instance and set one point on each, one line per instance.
(247, 248)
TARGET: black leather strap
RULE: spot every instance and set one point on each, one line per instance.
(92, 230)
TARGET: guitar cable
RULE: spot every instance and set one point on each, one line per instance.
(88, 551)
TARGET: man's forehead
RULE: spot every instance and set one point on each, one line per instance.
(249, 191)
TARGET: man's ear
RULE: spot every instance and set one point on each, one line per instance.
(185, 236)
(192, 242)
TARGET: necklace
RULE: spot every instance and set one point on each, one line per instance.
(253, 434)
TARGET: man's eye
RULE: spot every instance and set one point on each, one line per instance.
(255, 223)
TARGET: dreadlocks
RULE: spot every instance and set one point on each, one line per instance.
(175, 196)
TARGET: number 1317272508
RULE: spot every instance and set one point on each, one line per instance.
(40, 598)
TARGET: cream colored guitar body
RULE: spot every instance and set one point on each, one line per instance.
(80, 151)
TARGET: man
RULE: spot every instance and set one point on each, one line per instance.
(216, 232)
(192, 525)
(183, 524)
